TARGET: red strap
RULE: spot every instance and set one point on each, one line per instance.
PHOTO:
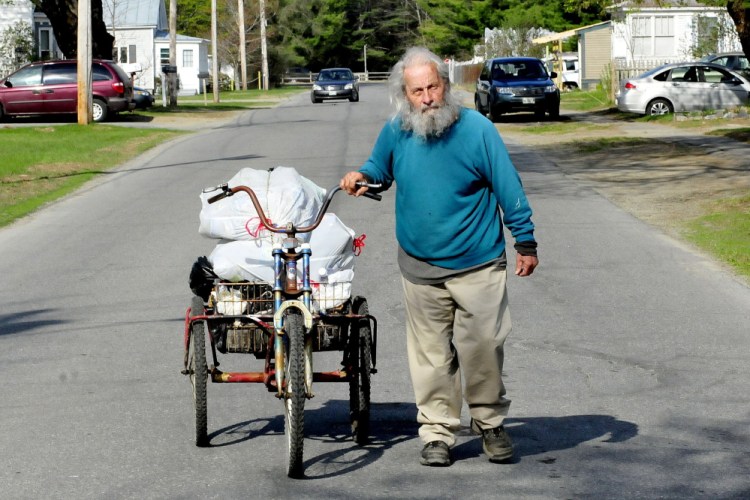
(260, 227)
(359, 244)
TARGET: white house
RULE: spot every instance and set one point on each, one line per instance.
(141, 45)
(669, 31)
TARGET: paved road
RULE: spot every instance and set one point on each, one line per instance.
(628, 364)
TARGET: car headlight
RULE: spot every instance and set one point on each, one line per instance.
(550, 88)
(504, 90)
(348, 86)
(317, 87)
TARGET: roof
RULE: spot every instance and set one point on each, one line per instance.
(554, 37)
(129, 13)
(161, 36)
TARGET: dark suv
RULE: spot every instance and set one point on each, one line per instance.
(51, 87)
(511, 84)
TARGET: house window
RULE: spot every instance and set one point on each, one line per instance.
(187, 58)
(641, 36)
(164, 56)
(45, 43)
(124, 54)
(653, 36)
(664, 36)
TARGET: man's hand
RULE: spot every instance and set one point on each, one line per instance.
(525, 264)
(349, 183)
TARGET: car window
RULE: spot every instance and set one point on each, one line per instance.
(743, 63)
(661, 77)
(99, 73)
(56, 74)
(722, 61)
(517, 70)
(326, 75)
(25, 77)
(715, 75)
(685, 74)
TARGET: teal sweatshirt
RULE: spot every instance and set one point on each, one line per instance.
(448, 190)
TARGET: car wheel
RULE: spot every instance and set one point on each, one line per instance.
(2, 114)
(354, 97)
(554, 112)
(659, 107)
(314, 100)
(478, 104)
(99, 110)
(494, 116)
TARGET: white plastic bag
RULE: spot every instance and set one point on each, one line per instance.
(284, 195)
(331, 264)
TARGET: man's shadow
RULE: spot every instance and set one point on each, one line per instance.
(538, 435)
(394, 423)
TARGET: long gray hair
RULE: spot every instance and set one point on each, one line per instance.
(415, 56)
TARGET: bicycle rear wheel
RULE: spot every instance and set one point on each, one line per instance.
(199, 372)
(359, 383)
(294, 399)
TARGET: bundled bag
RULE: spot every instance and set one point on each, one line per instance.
(331, 264)
(283, 193)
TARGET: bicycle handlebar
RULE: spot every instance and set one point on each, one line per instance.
(289, 229)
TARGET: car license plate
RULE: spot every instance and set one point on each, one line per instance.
(331, 92)
(527, 100)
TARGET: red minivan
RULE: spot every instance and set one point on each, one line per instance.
(50, 87)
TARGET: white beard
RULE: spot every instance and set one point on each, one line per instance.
(430, 121)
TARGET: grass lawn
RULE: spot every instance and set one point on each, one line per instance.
(38, 164)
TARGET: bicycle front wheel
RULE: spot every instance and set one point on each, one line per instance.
(359, 383)
(294, 395)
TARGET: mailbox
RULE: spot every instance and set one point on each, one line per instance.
(203, 75)
(168, 69)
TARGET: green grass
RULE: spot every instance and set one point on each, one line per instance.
(561, 127)
(725, 233)
(585, 100)
(38, 164)
(738, 134)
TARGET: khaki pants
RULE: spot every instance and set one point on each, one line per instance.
(461, 323)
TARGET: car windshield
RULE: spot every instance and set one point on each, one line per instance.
(518, 70)
(335, 75)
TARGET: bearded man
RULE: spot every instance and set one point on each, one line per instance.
(455, 188)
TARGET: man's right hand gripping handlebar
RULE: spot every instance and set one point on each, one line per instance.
(356, 184)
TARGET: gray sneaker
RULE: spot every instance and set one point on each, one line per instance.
(495, 442)
(435, 454)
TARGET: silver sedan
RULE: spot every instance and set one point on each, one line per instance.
(682, 87)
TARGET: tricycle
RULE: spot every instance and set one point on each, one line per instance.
(282, 323)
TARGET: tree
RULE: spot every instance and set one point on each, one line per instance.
(63, 15)
(16, 46)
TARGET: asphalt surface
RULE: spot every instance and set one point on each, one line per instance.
(627, 366)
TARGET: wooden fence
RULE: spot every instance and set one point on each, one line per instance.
(307, 79)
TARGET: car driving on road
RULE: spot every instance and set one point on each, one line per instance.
(513, 84)
(682, 87)
(335, 83)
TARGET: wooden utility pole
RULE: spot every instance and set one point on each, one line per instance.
(243, 55)
(214, 52)
(263, 47)
(84, 62)
(172, 52)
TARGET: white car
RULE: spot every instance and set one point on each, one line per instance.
(682, 87)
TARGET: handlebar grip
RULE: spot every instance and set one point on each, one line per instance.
(218, 197)
(372, 196)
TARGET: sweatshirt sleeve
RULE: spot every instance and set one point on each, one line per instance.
(379, 167)
(508, 189)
